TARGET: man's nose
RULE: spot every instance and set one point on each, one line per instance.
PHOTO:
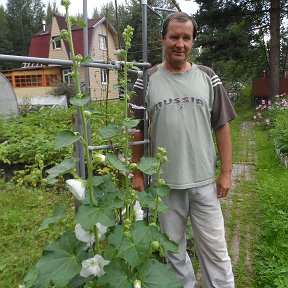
(180, 42)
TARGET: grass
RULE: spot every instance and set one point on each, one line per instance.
(259, 210)
(270, 245)
(22, 212)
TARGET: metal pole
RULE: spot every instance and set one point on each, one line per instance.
(96, 63)
(145, 75)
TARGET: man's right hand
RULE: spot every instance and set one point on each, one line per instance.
(138, 181)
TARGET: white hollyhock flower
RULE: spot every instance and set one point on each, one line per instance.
(93, 266)
(99, 158)
(101, 230)
(137, 284)
(83, 235)
(21, 286)
(88, 237)
(139, 213)
(77, 188)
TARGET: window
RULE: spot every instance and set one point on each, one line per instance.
(56, 44)
(28, 81)
(67, 77)
(104, 76)
(51, 79)
(10, 79)
(102, 42)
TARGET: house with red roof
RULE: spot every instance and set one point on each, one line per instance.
(39, 80)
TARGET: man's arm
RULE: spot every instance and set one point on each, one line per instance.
(137, 153)
(224, 144)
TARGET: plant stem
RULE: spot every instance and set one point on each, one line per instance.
(84, 122)
(126, 145)
(97, 245)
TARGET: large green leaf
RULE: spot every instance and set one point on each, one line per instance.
(64, 167)
(106, 192)
(61, 261)
(66, 138)
(147, 165)
(147, 200)
(144, 234)
(77, 101)
(131, 252)
(159, 275)
(116, 162)
(132, 249)
(130, 123)
(88, 216)
(58, 214)
(110, 131)
(162, 191)
(79, 281)
(116, 236)
(31, 277)
(116, 275)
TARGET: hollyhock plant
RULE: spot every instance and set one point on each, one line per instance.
(109, 215)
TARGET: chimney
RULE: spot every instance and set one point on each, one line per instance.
(44, 25)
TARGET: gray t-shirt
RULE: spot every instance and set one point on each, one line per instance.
(184, 108)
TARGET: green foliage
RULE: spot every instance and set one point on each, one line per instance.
(24, 19)
(280, 131)
(22, 212)
(23, 137)
(5, 43)
(232, 33)
(34, 134)
(270, 244)
(274, 115)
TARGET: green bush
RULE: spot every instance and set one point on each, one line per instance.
(280, 131)
(22, 138)
(273, 115)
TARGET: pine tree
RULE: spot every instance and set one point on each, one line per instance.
(24, 20)
(5, 44)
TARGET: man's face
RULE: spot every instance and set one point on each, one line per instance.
(178, 42)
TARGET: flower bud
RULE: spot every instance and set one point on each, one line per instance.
(87, 114)
(155, 245)
(64, 34)
(78, 57)
(99, 158)
(132, 166)
(158, 199)
(161, 182)
(65, 3)
(137, 284)
(127, 234)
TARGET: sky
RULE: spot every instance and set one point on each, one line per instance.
(76, 6)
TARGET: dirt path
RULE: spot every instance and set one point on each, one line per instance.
(236, 210)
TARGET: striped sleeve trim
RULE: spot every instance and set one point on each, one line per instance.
(215, 81)
(139, 83)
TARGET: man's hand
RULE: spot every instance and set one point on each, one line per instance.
(223, 184)
(138, 181)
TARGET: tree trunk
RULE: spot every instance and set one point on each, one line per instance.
(274, 48)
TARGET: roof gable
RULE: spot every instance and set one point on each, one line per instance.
(39, 46)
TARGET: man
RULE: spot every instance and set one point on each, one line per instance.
(186, 102)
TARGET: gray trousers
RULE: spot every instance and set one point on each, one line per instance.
(203, 207)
